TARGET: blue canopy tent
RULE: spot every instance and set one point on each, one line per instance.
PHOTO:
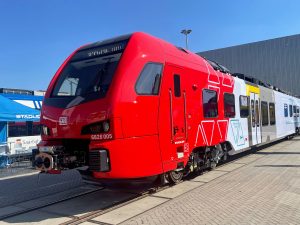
(11, 111)
(32, 101)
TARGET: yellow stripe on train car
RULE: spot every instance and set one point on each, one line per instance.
(252, 89)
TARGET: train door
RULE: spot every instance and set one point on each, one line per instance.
(255, 118)
(172, 119)
(177, 111)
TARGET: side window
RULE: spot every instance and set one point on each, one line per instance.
(149, 80)
(298, 111)
(264, 113)
(257, 112)
(294, 110)
(229, 105)
(210, 104)
(252, 113)
(272, 113)
(286, 111)
(244, 106)
(177, 91)
(291, 110)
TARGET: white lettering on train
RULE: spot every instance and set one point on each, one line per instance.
(101, 136)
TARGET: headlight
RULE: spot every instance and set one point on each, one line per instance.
(105, 126)
(45, 130)
(96, 128)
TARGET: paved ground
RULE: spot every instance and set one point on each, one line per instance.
(262, 188)
(17, 168)
(34, 187)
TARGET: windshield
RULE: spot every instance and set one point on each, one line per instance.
(87, 77)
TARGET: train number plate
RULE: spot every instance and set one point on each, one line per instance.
(101, 136)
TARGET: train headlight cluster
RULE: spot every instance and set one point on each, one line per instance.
(96, 128)
(105, 126)
(45, 130)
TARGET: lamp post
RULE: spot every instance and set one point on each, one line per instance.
(186, 32)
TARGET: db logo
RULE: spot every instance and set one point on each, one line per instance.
(63, 120)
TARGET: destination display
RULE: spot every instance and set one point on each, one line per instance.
(109, 49)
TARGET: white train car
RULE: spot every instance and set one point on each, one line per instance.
(262, 114)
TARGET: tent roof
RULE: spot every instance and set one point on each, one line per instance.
(12, 111)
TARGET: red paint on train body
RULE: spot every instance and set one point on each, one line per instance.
(148, 134)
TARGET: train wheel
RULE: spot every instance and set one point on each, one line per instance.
(212, 165)
(175, 177)
(216, 155)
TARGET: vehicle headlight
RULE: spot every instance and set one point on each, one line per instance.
(45, 130)
(96, 128)
(105, 126)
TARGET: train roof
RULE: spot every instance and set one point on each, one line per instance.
(187, 55)
(168, 48)
(252, 80)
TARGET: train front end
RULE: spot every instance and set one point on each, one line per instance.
(87, 114)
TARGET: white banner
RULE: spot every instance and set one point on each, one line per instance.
(22, 144)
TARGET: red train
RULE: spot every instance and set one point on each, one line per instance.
(135, 106)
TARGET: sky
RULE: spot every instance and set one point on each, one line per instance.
(36, 36)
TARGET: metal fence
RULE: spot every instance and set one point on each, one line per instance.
(15, 164)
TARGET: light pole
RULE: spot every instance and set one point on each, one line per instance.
(186, 32)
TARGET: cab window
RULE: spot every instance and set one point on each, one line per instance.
(148, 82)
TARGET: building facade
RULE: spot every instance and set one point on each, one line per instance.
(275, 61)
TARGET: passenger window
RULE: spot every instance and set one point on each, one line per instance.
(229, 105)
(244, 106)
(286, 112)
(298, 111)
(264, 113)
(210, 104)
(148, 82)
(272, 113)
(291, 110)
(257, 113)
(252, 113)
(177, 91)
(294, 110)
